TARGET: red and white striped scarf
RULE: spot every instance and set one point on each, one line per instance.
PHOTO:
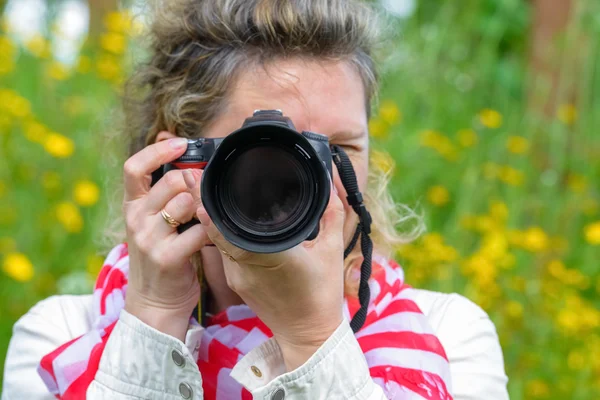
(404, 356)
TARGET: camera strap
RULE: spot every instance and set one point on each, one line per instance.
(363, 229)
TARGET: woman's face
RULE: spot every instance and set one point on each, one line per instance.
(325, 97)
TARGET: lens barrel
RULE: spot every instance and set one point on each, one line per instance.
(266, 186)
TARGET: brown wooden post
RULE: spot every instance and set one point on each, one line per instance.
(550, 20)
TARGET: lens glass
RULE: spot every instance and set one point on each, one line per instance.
(267, 189)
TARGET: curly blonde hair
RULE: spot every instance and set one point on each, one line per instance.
(197, 47)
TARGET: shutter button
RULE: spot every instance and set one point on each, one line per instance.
(178, 358)
(278, 395)
(185, 391)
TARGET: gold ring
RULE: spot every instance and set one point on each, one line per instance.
(228, 255)
(170, 220)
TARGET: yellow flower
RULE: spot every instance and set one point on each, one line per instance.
(7, 244)
(537, 389)
(94, 264)
(50, 180)
(481, 268)
(440, 143)
(108, 67)
(59, 146)
(514, 309)
(430, 138)
(517, 144)
(68, 215)
(58, 71)
(7, 65)
(113, 43)
(378, 128)
(34, 131)
(535, 239)
(592, 233)
(490, 118)
(38, 46)
(557, 269)
(7, 47)
(120, 22)
(84, 64)
(467, 137)
(383, 161)
(18, 106)
(499, 211)
(507, 261)
(567, 114)
(86, 193)
(7, 53)
(438, 195)
(389, 112)
(511, 176)
(494, 246)
(568, 320)
(18, 267)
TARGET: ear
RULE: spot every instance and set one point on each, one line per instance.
(164, 135)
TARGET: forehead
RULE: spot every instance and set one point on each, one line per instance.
(320, 96)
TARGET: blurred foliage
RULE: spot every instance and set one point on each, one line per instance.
(510, 196)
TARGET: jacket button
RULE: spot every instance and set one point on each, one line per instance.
(178, 358)
(256, 371)
(185, 391)
(278, 395)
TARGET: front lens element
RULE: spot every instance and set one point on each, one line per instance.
(267, 189)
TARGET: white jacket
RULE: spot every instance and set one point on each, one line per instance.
(140, 362)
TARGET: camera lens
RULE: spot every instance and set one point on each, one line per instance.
(266, 186)
(266, 190)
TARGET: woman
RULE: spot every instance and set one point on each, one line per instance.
(280, 325)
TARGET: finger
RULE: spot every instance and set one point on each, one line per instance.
(171, 184)
(138, 168)
(180, 208)
(189, 242)
(217, 238)
(193, 178)
(332, 221)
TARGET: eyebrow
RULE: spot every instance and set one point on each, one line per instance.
(346, 134)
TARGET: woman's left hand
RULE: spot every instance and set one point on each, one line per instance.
(297, 293)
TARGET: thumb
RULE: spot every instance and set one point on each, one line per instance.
(332, 221)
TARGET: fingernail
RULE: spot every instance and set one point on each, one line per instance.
(178, 143)
(189, 179)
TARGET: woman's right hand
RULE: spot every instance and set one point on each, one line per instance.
(163, 287)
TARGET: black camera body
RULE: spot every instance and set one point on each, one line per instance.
(265, 186)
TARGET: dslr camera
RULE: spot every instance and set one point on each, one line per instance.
(265, 186)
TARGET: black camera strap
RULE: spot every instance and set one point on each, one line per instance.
(355, 199)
